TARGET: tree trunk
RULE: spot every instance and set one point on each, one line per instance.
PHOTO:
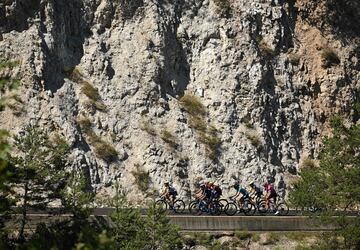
(23, 215)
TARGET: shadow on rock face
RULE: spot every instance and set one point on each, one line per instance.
(14, 15)
(67, 34)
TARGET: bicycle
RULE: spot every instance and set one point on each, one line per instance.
(222, 203)
(178, 206)
(280, 208)
(242, 206)
(197, 207)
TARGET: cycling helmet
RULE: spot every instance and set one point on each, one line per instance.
(252, 184)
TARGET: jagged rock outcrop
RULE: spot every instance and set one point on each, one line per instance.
(110, 77)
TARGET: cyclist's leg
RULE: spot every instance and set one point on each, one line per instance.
(267, 200)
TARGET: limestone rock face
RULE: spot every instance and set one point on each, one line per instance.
(110, 77)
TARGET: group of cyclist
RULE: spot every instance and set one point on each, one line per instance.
(208, 191)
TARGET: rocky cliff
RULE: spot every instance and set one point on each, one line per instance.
(148, 90)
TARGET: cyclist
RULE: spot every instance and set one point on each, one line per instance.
(169, 192)
(208, 192)
(213, 192)
(270, 194)
(240, 191)
(201, 194)
(255, 191)
(216, 191)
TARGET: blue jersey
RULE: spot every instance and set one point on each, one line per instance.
(243, 191)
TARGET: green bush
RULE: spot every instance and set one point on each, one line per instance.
(198, 123)
(243, 235)
(8, 64)
(142, 178)
(99, 105)
(85, 125)
(74, 74)
(203, 238)
(90, 91)
(330, 58)
(255, 237)
(308, 163)
(92, 106)
(192, 105)
(102, 149)
(207, 134)
(298, 236)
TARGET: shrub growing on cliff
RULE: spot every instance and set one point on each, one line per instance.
(74, 74)
(142, 178)
(207, 134)
(330, 58)
(168, 138)
(85, 125)
(198, 124)
(192, 105)
(102, 149)
(90, 91)
(254, 138)
(211, 141)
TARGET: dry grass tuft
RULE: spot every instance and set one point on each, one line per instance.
(192, 105)
(142, 178)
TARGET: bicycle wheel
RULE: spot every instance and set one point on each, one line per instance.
(231, 208)
(282, 208)
(214, 208)
(261, 206)
(222, 204)
(161, 205)
(179, 206)
(248, 208)
(194, 208)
